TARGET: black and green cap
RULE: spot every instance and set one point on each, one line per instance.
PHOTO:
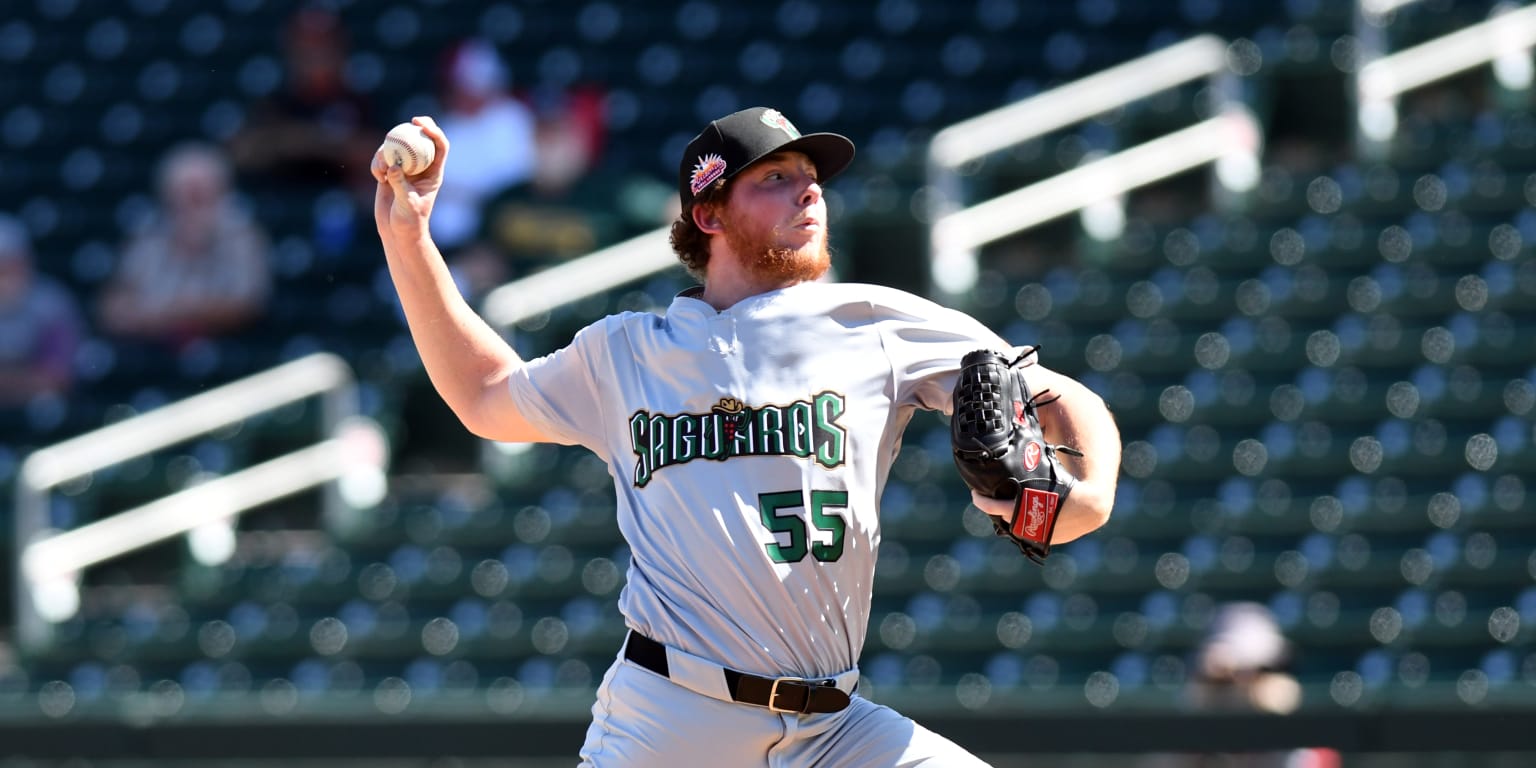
(728, 145)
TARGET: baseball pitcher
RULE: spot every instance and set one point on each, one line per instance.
(750, 430)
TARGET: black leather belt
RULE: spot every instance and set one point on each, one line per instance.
(795, 695)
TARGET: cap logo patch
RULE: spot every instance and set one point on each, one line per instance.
(709, 168)
(775, 119)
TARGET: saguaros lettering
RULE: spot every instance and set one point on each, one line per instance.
(804, 428)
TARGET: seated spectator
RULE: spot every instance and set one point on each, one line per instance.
(492, 135)
(558, 213)
(564, 210)
(316, 132)
(199, 265)
(1242, 665)
(40, 324)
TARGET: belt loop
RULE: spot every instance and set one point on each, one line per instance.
(647, 653)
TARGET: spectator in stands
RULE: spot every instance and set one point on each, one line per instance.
(198, 266)
(493, 133)
(317, 131)
(553, 215)
(563, 210)
(1241, 665)
(40, 324)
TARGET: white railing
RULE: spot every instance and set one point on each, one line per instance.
(1232, 134)
(638, 257)
(49, 563)
(1504, 40)
(952, 244)
(1231, 140)
(1379, 9)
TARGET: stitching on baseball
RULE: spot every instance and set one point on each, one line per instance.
(415, 158)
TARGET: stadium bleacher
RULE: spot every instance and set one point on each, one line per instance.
(1326, 396)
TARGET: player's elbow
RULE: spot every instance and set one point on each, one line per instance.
(483, 429)
(495, 416)
(1096, 506)
(1087, 510)
(1098, 513)
(502, 430)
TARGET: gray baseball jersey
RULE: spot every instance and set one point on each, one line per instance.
(749, 449)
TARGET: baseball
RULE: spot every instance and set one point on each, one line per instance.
(409, 147)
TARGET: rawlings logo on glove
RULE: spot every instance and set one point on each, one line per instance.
(1001, 451)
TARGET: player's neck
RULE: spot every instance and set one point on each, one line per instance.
(722, 295)
(729, 282)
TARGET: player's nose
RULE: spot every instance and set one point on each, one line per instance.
(811, 194)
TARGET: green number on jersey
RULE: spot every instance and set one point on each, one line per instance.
(773, 506)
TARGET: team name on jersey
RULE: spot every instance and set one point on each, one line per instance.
(805, 428)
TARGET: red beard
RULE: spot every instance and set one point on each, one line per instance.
(774, 264)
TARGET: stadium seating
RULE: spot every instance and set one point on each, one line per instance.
(1326, 395)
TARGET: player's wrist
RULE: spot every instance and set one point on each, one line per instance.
(411, 234)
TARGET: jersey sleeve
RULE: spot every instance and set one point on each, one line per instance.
(560, 393)
(925, 348)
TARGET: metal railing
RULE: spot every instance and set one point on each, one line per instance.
(49, 563)
(1504, 40)
(1208, 141)
(956, 229)
(636, 258)
(953, 240)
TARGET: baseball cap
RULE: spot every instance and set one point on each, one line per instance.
(728, 145)
(1244, 636)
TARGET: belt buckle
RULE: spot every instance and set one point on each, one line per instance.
(773, 695)
(806, 683)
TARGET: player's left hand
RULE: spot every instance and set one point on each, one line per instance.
(1002, 452)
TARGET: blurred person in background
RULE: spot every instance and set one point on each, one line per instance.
(564, 210)
(494, 132)
(198, 266)
(40, 324)
(1242, 665)
(557, 213)
(316, 131)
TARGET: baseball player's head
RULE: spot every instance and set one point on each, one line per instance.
(751, 182)
(193, 175)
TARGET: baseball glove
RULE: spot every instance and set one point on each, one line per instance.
(1001, 452)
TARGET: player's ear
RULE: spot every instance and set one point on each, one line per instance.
(707, 218)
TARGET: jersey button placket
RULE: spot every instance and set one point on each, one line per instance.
(722, 334)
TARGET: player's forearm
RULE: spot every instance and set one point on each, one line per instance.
(1087, 510)
(1081, 419)
(463, 356)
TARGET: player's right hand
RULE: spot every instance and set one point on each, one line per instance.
(402, 205)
